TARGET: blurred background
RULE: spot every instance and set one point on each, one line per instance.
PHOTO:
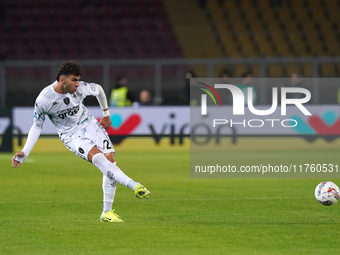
(157, 45)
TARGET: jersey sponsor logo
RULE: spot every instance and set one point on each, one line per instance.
(66, 100)
(54, 103)
(68, 112)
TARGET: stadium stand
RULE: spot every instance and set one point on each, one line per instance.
(105, 29)
(81, 29)
(291, 28)
(41, 29)
(193, 31)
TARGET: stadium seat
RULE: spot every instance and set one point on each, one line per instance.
(281, 44)
(291, 26)
(239, 70)
(293, 68)
(239, 27)
(318, 13)
(248, 47)
(230, 45)
(255, 69)
(133, 72)
(147, 71)
(247, 5)
(267, 15)
(298, 44)
(307, 70)
(285, 14)
(298, 4)
(93, 72)
(332, 7)
(262, 5)
(275, 70)
(327, 70)
(256, 27)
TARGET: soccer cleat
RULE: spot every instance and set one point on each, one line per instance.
(110, 216)
(141, 191)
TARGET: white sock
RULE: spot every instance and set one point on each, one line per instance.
(109, 191)
(131, 184)
(109, 169)
(107, 206)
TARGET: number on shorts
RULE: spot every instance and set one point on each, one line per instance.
(108, 146)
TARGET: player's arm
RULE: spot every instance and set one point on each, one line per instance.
(106, 120)
(32, 138)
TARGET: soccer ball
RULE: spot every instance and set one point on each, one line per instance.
(327, 193)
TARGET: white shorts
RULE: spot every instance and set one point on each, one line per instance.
(85, 138)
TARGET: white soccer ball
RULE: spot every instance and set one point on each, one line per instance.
(327, 193)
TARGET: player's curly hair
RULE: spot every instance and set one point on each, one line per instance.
(67, 68)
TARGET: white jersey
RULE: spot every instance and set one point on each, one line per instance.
(66, 111)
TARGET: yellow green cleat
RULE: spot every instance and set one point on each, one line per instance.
(110, 216)
(141, 191)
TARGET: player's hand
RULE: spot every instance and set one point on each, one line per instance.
(106, 122)
(16, 163)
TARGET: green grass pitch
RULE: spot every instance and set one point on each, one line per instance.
(52, 204)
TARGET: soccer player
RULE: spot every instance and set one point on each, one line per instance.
(81, 133)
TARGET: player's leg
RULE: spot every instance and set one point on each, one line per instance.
(109, 188)
(109, 191)
(102, 155)
(103, 143)
(108, 168)
(93, 144)
(111, 174)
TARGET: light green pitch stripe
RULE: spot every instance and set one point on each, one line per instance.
(208, 92)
